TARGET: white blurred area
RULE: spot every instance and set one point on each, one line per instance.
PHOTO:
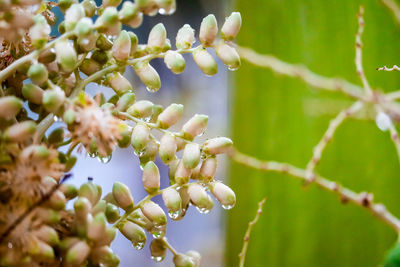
(199, 94)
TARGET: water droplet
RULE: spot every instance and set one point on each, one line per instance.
(157, 233)
(92, 154)
(147, 119)
(233, 68)
(151, 90)
(174, 214)
(162, 11)
(157, 259)
(105, 159)
(203, 210)
(138, 245)
(139, 153)
(227, 207)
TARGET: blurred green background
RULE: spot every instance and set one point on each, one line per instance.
(279, 118)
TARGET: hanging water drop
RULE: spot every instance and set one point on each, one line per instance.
(174, 214)
(151, 90)
(105, 159)
(157, 233)
(233, 68)
(227, 207)
(157, 259)
(138, 245)
(92, 154)
(203, 210)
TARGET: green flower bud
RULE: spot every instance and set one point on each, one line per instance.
(191, 155)
(174, 61)
(205, 62)
(78, 253)
(108, 18)
(172, 200)
(20, 132)
(73, 15)
(185, 37)
(40, 249)
(32, 93)
(105, 256)
(195, 126)
(65, 4)
(183, 192)
(141, 109)
(103, 43)
(223, 194)
(196, 257)
(39, 33)
(125, 101)
(157, 109)
(90, 7)
(182, 260)
(53, 99)
(208, 169)
(182, 174)
(231, 26)
(69, 116)
(84, 27)
(167, 148)
(100, 207)
(125, 134)
(57, 200)
(122, 195)
(89, 66)
(149, 153)
(112, 213)
(228, 55)
(151, 177)
(130, 14)
(100, 56)
(134, 233)
(167, 45)
(208, 30)
(56, 136)
(97, 227)
(157, 38)
(70, 191)
(110, 199)
(82, 207)
(140, 136)
(108, 237)
(47, 56)
(48, 235)
(114, 3)
(9, 107)
(134, 42)
(218, 145)
(70, 163)
(48, 216)
(119, 83)
(66, 55)
(122, 46)
(200, 198)
(158, 249)
(38, 73)
(170, 116)
(154, 213)
(148, 75)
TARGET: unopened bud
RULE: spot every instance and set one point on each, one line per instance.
(66, 55)
(69, 116)
(228, 55)
(191, 155)
(157, 38)
(158, 249)
(90, 191)
(195, 126)
(130, 14)
(39, 249)
(9, 106)
(82, 207)
(108, 237)
(200, 198)
(65, 4)
(73, 15)
(90, 7)
(100, 56)
(134, 42)
(57, 200)
(140, 136)
(48, 235)
(205, 62)
(97, 227)
(32, 93)
(84, 27)
(103, 42)
(151, 177)
(100, 207)
(89, 66)
(119, 83)
(70, 191)
(170, 116)
(182, 260)
(167, 148)
(108, 18)
(78, 253)
(172, 200)
(125, 136)
(112, 213)
(105, 256)
(223, 194)
(20, 132)
(38, 73)
(53, 99)
(182, 174)
(218, 145)
(114, 3)
(208, 169)
(141, 109)
(175, 61)
(39, 33)
(122, 46)
(196, 257)
(208, 30)
(48, 216)
(56, 136)
(185, 37)
(157, 109)
(122, 195)
(134, 233)
(125, 101)
(148, 75)
(154, 213)
(231, 26)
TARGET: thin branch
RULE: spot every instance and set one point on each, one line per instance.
(394, 8)
(311, 78)
(242, 254)
(394, 135)
(363, 199)
(359, 45)
(384, 68)
(169, 246)
(327, 137)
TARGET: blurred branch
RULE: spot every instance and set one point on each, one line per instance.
(394, 68)
(394, 8)
(363, 199)
(394, 135)
(242, 254)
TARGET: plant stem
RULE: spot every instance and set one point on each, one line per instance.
(171, 248)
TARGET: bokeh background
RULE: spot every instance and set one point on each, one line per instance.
(275, 117)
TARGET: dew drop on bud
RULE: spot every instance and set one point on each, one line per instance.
(233, 68)
(105, 159)
(92, 154)
(157, 259)
(203, 210)
(174, 214)
(157, 233)
(227, 207)
(138, 245)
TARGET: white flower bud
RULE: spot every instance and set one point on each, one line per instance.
(196, 257)
(38, 73)
(208, 169)
(231, 26)
(125, 101)
(105, 256)
(48, 235)
(90, 191)
(20, 132)
(182, 174)
(73, 15)
(170, 116)
(205, 61)
(119, 83)
(66, 55)
(185, 37)
(191, 155)
(154, 213)
(32, 93)
(151, 177)
(97, 227)
(140, 136)
(141, 109)
(9, 107)
(148, 75)
(157, 38)
(39, 33)
(112, 213)
(208, 30)
(167, 148)
(90, 7)
(195, 126)
(383, 121)
(182, 260)
(175, 61)
(223, 194)
(122, 195)
(200, 198)
(84, 27)
(218, 145)
(107, 19)
(82, 207)
(39, 249)
(78, 253)
(122, 46)
(134, 233)
(53, 99)
(228, 55)
(172, 200)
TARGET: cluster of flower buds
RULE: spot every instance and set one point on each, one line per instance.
(47, 84)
